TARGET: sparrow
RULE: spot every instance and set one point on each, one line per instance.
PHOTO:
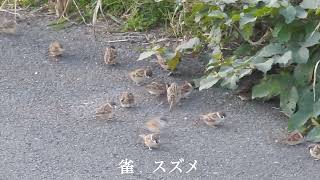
(173, 94)
(110, 55)
(156, 88)
(294, 138)
(105, 111)
(162, 62)
(156, 124)
(186, 89)
(151, 140)
(315, 151)
(55, 49)
(140, 75)
(126, 99)
(213, 119)
(7, 26)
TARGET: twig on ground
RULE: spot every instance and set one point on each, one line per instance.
(64, 11)
(6, 11)
(119, 40)
(15, 10)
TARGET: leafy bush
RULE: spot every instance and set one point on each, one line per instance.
(137, 14)
(278, 38)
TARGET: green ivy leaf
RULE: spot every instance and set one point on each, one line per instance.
(225, 71)
(316, 109)
(230, 82)
(303, 74)
(271, 50)
(285, 58)
(314, 135)
(285, 33)
(247, 31)
(304, 113)
(289, 14)
(288, 101)
(298, 119)
(229, 1)
(215, 35)
(266, 89)
(262, 64)
(192, 43)
(301, 13)
(244, 72)
(277, 29)
(272, 86)
(272, 3)
(310, 4)
(245, 19)
(243, 50)
(209, 81)
(146, 55)
(301, 55)
(311, 40)
(217, 14)
(262, 11)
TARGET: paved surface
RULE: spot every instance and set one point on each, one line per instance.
(48, 129)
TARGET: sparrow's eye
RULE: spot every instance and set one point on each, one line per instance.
(221, 115)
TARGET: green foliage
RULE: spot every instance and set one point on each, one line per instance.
(137, 14)
(278, 38)
(27, 3)
(147, 13)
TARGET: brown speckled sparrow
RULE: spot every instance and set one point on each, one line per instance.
(161, 61)
(127, 100)
(156, 124)
(151, 140)
(294, 138)
(173, 95)
(7, 26)
(314, 151)
(213, 119)
(110, 55)
(186, 89)
(140, 75)
(55, 49)
(105, 111)
(156, 88)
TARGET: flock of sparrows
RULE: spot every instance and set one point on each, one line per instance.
(296, 137)
(173, 91)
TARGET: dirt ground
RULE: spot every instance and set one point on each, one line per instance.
(48, 128)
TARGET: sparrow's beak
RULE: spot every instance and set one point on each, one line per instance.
(310, 146)
(141, 135)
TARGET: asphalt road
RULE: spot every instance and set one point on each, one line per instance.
(48, 129)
